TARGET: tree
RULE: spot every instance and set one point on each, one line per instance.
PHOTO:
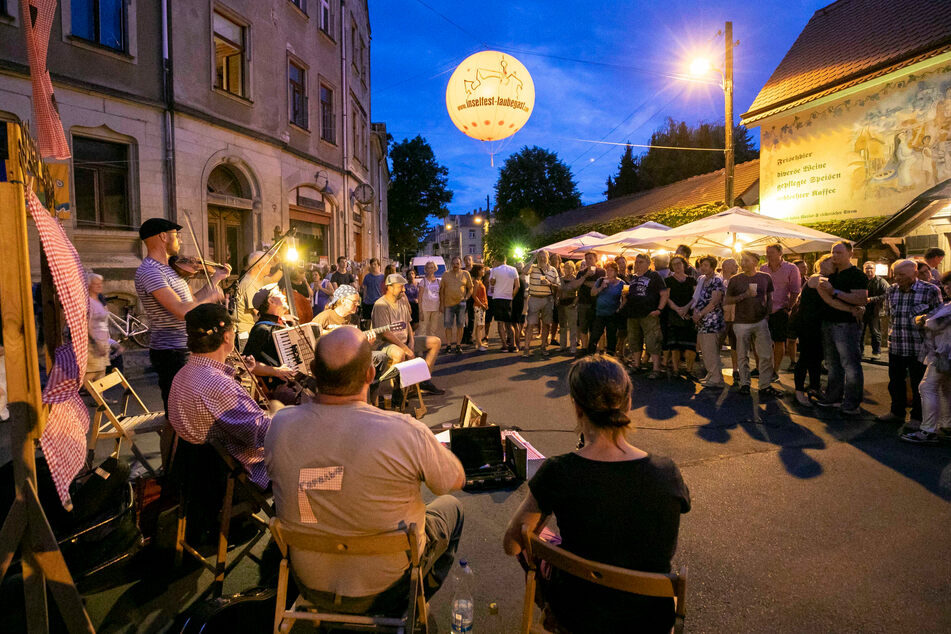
(417, 191)
(534, 184)
(627, 181)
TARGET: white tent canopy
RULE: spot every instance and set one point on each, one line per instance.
(567, 247)
(736, 229)
(619, 243)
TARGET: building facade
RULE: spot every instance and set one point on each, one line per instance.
(243, 118)
(460, 234)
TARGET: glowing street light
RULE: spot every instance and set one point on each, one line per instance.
(519, 252)
(700, 67)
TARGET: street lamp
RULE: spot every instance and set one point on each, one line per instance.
(702, 66)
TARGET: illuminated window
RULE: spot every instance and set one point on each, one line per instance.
(229, 41)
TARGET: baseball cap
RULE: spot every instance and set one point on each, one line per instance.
(395, 278)
(155, 226)
(264, 294)
(343, 292)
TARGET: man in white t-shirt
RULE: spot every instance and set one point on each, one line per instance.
(503, 283)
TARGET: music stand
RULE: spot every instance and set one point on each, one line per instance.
(410, 373)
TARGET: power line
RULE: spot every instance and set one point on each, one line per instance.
(655, 147)
(455, 24)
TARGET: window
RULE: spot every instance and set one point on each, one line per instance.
(99, 21)
(300, 4)
(324, 17)
(101, 172)
(358, 49)
(471, 249)
(296, 76)
(309, 198)
(359, 133)
(472, 234)
(229, 43)
(328, 126)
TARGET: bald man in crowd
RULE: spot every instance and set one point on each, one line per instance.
(340, 466)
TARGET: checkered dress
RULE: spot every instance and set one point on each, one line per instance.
(207, 402)
(905, 339)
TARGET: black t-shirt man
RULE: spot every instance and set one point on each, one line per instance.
(261, 344)
(643, 295)
(846, 280)
(584, 291)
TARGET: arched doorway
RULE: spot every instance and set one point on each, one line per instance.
(229, 216)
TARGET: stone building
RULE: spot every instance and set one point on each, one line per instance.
(246, 117)
(460, 234)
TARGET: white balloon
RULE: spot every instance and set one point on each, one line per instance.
(490, 96)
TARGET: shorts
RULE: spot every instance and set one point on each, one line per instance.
(779, 325)
(585, 318)
(501, 310)
(455, 316)
(540, 309)
(478, 316)
(644, 331)
(419, 347)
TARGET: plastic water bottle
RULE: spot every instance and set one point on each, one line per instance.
(462, 605)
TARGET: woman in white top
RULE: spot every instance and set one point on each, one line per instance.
(98, 331)
(430, 316)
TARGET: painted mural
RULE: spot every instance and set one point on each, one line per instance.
(864, 155)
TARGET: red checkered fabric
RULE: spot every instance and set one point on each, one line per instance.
(64, 438)
(49, 129)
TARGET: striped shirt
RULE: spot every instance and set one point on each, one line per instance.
(535, 276)
(207, 402)
(167, 331)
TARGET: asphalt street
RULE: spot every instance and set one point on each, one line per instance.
(801, 520)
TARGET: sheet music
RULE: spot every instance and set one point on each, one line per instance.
(411, 372)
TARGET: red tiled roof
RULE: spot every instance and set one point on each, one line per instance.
(705, 188)
(851, 41)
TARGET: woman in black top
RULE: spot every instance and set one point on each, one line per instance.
(614, 504)
(680, 336)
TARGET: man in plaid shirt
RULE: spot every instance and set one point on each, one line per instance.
(907, 298)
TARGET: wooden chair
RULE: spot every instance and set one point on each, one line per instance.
(649, 584)
(249, 503)
(472, 415)
(401, 541)
(108, 424)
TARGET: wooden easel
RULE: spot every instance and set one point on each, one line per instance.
(26, 525)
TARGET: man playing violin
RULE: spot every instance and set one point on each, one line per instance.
(271, 305)
(166, 298)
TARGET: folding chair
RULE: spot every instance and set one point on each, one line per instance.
(649, 584)
(108, 424)
(250, 501)
(401, 541)
(472, 415)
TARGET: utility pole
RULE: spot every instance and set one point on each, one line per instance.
(728, 127)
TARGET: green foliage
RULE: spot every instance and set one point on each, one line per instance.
(504, 235)
(628, 180)
(853, 230)
(418, 190)
(534, 184)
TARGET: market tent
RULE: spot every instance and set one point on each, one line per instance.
(618, 243)
(567, 247)
(735, 230)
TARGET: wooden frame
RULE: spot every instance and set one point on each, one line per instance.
(401, 541)
(650, 584)
(469, 408)
(122, 425)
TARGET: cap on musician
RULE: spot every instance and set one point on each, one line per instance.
(208, 327)
(344, 291)
(269, 300)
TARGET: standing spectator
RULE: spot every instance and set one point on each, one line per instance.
(568, 309)
(480, 303)
(622, 274)
(681, 336)
(684, 251)
(751, 291)
(503, 282)
(430, 315)
(98, 359)
(908, 299)
(787, 283)
(872, 319)
(662, 264)
(555, 261)
(646, 298)
(454, 289)
(343, 274)
(588, 275)
(467, 264)
(842, 334)
(412, 296)
(323, 289)
(933, 258)
(729, 268)
(708, 316)
(924, 273)
(935, 386)
(607, 294)
(792, 335)
(519, 305)
(543, 285)
(371, 289)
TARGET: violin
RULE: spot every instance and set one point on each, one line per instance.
(190, 266)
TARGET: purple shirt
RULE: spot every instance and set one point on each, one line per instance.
(207, 401)
(787, 282)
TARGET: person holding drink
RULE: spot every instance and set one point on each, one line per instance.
(751, 292)
(607, 294)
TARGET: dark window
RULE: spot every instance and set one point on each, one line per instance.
(296, 77)
(310, 198)
(4, 155)
(4, 13)
(328, 126)
(101, 172)
(100, 21)
(300, 4)
(324, 16)
(229, 55)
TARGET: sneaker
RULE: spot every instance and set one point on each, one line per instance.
(769, 390)
(483, 348)
(890, 418)
(829, 404)
(851, 411)
(430, 388)
(458, 349)
(803, 399)
(920, 437)
(744, 390)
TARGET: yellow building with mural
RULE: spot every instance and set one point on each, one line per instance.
(855, 123)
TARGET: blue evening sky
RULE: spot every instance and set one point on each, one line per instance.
(602, 70)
